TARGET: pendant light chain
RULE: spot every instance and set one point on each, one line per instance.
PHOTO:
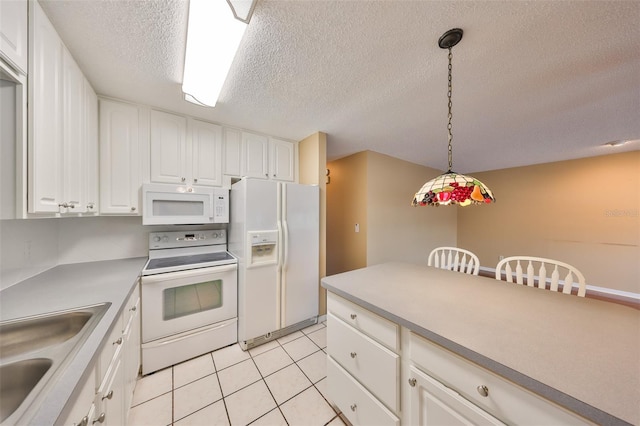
(450, 115)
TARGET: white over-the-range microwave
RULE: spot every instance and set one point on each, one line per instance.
(165, 204)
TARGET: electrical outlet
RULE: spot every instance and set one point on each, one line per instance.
(500, 257)
(357, 227)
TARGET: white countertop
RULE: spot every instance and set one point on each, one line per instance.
(67, 287)
(583, 354)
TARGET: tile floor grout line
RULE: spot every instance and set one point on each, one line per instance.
(224, 403)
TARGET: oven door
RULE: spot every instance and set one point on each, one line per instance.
(176, 302)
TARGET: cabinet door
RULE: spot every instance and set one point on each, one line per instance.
(91, 141)
(232, 152)
(120, 168)
(168, 148)
(13, 33)
(206, 153)
(432, 403)
(282, 155)
(131, 354)
(74, 154)
(45, 117)
(112, 410)
(254, 155)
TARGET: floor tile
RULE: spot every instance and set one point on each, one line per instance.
(228, 356)
(193, 369)
(152, 386)
(319, 337)
(195, 396)
(308, 408)
(290, 337)
(264, 348)
(322, 388)
(238, 376)
(155, 412)
(313, 328)
(337, 421)
(214, 414)
(249, 403)
(300, 348)
(287, 383)
(272, 361)
(314, 366)
(272, 418)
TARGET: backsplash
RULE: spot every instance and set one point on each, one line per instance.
(32, 246)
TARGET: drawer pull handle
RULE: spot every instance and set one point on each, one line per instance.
(100, 418)
(353, 354)
(108, 396)
(118, 342)
(412, 382)
(84, 421)
(353, 407)
(133, 309)
(353, 316)
(483, 390)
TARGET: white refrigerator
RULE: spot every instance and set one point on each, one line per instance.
(274, 232)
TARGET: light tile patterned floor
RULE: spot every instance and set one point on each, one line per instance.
(279, 383)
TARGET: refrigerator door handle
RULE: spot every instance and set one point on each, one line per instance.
(285, 262)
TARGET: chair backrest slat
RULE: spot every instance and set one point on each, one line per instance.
(454, 259)
(573, 275)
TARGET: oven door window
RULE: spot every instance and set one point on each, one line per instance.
(191, 299)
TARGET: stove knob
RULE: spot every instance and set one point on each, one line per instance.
(215, 235)
(156, 239)
(165, 239)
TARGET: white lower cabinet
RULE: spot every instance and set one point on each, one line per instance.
(362, 373)
(107, 393)
(432, 403)
(372, 361)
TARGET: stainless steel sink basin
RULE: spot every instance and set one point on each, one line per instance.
(34, 350)
(36, 333)
(17, 380)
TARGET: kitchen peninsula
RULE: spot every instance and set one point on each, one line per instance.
(563, 357)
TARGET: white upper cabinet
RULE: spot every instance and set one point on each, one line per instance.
(185, 151)
(45, 116)
(232, 152)
(60, 114)
(91, 161)
(168, 147)
(282, 156)
(123, 140)
(13, 33)
(206, 153)
(254, 155)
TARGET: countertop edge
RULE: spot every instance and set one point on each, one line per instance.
(560, 398)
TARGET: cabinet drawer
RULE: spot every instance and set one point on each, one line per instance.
(378, 328)
(373, 365)
(355, 402)
(505, 400)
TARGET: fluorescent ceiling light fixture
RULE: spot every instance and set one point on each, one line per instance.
(213, 37)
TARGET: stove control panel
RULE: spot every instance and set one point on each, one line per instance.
(174, 239)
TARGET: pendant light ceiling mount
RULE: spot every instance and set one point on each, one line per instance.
(451, 187)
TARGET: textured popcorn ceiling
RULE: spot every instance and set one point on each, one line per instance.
(533, 81)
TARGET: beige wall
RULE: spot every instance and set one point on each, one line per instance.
(584, 212)
(375, 191)
(346, 206)
(396, 230)
(312, 158)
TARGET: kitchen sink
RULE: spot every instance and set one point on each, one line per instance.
(34, 350)
(31, 334)
(17, 380)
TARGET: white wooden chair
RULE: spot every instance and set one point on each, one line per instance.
(513, 266)
(454, 259)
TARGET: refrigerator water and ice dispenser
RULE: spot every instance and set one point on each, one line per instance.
(263, 248)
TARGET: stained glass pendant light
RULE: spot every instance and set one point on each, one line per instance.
(451, 187)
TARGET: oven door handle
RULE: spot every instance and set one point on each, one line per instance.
(190, 273)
